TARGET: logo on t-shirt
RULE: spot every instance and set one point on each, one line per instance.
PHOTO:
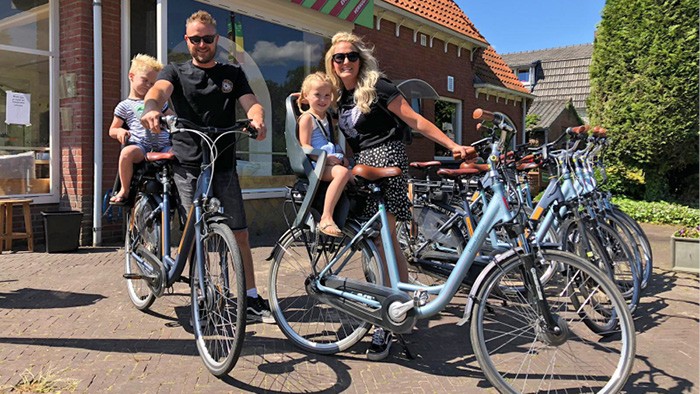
(227, 86)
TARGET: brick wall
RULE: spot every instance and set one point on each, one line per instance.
(77, 144)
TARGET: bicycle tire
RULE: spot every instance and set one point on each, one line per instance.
(626, 264)
(599, 258)
(138, 290)
(310, 324)
(518, 355)
(218, 296)
(643, 245)
(445, 246)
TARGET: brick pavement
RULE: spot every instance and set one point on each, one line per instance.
(69, 314)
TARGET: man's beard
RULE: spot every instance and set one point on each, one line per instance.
(203, 58)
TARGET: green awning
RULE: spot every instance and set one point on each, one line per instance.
(357, 11)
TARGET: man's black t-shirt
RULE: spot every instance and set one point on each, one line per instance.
(207, 97)
(364, 131)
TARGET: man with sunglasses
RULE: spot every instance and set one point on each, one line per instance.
(205, 92)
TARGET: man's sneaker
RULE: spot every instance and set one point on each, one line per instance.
(381, 343)
(259, 310)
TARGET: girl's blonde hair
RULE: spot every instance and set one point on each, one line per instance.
(365, 93)
(318, 77)
(144, 63)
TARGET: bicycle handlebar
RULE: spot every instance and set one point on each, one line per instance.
(242, 125)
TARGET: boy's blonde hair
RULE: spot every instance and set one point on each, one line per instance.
(201, 17)
(365, 92)
(144, 63)
(309, 81)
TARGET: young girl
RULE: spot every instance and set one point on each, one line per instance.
(315, 131)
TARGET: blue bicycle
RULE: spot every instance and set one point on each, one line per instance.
(528, 335)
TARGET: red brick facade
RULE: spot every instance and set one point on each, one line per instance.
(401, 58)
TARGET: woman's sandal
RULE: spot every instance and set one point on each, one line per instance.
(330, 229)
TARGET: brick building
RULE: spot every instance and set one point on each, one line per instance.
(71, 58)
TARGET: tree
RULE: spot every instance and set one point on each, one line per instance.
(644, 88)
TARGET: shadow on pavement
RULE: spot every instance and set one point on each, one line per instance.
(156, 346)
(28, 298)
(655, 299)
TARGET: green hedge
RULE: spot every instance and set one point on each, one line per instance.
(659, 212)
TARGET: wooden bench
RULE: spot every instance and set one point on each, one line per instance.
(7, 234)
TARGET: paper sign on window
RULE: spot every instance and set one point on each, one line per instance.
(17, 108)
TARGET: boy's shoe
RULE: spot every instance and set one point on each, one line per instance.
(259, 310)
(381, 343)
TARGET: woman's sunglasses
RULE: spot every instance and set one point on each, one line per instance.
(340, 57)
(197, 39)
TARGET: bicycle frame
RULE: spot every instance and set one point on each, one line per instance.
(497, 211)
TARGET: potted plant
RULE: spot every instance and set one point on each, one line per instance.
(685, 249)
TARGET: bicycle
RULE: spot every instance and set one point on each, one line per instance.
(526, 335)
(216, 273)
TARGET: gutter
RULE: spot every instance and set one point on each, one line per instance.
(97, 144)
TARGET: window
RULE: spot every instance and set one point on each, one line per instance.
(143, 37)
(275, 59)
(448, 118)
(24, 98)
(524, 75)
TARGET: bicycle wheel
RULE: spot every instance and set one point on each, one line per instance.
(218, 301)
(303, 318)
(140, 232)
(642, 241)
(517, 353)
(626, 264)
(431, 253)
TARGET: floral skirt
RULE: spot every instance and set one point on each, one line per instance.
(395, 189)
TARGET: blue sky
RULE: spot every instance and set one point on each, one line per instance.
(515, 26)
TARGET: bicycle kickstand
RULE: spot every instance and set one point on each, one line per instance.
(406, 350)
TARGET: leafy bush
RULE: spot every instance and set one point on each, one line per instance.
(659, 212)
(624, 180)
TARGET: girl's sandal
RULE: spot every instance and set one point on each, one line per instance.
(330, 229)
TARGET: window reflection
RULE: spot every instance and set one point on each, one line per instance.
(25, 23)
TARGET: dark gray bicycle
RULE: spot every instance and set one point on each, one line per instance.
(216, 274)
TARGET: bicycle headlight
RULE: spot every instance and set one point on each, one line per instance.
(213, 205)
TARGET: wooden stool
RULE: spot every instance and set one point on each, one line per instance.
(6, 224)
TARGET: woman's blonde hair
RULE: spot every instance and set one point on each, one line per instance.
(144, 63)
(365, 93)
(318, 77)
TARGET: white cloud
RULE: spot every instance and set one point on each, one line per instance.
(266, 52)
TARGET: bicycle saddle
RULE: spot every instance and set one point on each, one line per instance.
(155, 156)
(375, 173)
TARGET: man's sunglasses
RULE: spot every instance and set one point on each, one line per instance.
(340, 57)
(197, 39)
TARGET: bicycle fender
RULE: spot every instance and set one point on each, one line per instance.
(278, 246)
(493, 265)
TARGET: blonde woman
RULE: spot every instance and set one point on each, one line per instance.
(366, 98)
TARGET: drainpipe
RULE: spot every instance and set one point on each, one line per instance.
(97, 56)
(524, 112)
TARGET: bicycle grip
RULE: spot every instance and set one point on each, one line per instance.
(481, 114)
(599, 131)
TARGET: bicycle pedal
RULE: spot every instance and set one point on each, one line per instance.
(133, 276)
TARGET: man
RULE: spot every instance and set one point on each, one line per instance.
(205, 92)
